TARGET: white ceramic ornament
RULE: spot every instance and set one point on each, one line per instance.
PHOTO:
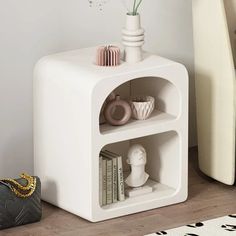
(133, 39)
(142, 107)
(137, 158)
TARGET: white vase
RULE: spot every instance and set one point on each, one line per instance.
(133, 39)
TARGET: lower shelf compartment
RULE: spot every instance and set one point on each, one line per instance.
(163, 165)
(160, 191)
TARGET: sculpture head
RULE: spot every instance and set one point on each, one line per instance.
(137, 155)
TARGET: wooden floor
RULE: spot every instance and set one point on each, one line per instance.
(207, 199)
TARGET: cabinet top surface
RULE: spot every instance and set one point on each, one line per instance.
(82, 61)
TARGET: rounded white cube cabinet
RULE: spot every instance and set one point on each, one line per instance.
(69, 91)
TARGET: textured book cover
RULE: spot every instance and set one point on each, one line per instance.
(120, 177)
(115, 180)
(100, 181)
(121, 189)
(114, 175)
(104, 181)
(109, 181)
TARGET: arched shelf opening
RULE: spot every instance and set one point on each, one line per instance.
(167, 103)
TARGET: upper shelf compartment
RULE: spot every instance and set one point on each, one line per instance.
(167, 107)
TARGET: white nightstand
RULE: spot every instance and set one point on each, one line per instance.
(69, 91)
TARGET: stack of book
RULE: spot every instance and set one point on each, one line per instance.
(111, 180)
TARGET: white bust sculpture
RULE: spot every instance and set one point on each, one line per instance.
(137, 159)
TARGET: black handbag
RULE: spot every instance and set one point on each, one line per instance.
(20, 201)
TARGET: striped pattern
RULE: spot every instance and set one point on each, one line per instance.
(16, 211)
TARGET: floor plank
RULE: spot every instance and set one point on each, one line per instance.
(207, 199)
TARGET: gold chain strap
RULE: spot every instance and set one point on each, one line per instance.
(20, 190)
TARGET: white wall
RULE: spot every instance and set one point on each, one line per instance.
(30, 29)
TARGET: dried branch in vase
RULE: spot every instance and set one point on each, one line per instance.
(132, 6)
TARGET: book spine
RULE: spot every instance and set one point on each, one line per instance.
(115, 180)
(100, 181)
(109, 181)
(104, 181)
(121, 189)
(114, 174)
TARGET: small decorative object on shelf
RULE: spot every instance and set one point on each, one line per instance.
(137, 159)
(111, 97)
(108, 56)
(110, 109)
(20, 201)
(142, 107)
(133, 35)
